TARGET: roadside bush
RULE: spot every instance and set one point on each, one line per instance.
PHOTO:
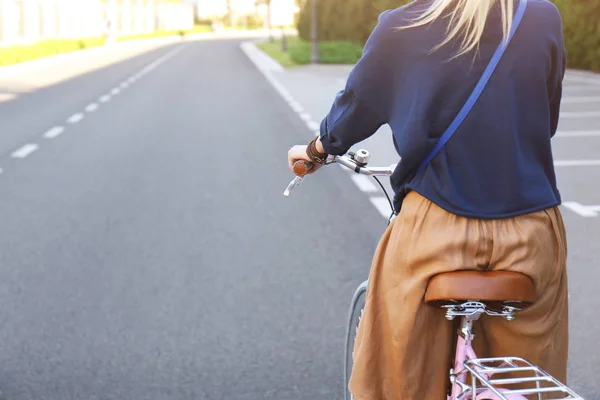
(353, 20)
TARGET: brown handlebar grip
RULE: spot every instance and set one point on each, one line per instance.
(302, 168)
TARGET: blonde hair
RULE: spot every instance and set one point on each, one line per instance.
(467, 19)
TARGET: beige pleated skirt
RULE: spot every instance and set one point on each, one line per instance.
(403, 348)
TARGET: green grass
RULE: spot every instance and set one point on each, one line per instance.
(273, 49)
(45, 48)
(332, 52)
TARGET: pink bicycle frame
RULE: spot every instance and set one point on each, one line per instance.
(465, 352)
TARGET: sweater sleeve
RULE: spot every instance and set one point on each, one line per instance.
(555, 80)
(364, 105)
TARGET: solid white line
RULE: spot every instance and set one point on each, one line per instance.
(577, 133)
(580, 114)
(75, 118)
(104, 99)
(580, 100)
(364, 183)
(584, 211)
(115, 91)
(305, 117)
(296, 107)
(54, 132)
(91, 107)
(576, 163)
(313, 126)
(25, 150)
(382, 205)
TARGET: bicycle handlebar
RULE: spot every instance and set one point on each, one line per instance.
(356, 162)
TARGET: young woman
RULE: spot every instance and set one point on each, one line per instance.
(487, 201)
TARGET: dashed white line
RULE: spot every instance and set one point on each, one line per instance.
(115, 91)
(382, 205)
(305, 117)
(582, 79)
(296, 106)
(577, 163)
(364, 184)
(25, 150)
(580, 100)
(104, 99)
(75, 118)
(313, 125)
(91, 107)
(580, 114)
(124, 85)
(577, 133)
(584, 211)
(54, 132)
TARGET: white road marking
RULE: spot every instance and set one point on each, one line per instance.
(576, 163)
(581, 79)
(267, 68)
(580, 100)
(153, 65)
(25, 150)
(305, 117)
(124, 85)
(584, 211)
(296, 107)
(578, 88)
(115, 91)
(382, 205)
(364, 184)
(75, 118)
(104, 99)
(580, 114)
(54, 132)
(577, 133)
(91, 107)
(313, 126)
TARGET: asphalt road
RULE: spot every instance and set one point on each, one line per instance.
(147, 251)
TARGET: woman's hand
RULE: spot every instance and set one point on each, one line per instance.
(298, 153)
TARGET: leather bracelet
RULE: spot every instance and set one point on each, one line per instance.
(315, 155)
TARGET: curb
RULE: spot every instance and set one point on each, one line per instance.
(73, 56)
(10, 70)
(262, 60)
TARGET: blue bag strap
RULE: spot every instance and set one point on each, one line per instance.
(487, 74)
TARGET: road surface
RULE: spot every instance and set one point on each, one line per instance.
(147, 251)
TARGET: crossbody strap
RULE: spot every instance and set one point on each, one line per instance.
(487, 74)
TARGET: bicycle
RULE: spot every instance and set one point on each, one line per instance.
(464, 294)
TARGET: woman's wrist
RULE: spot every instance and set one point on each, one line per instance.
(314, 154)
(319, 146)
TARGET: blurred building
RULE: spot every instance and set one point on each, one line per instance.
(282, 11)
(26, 21)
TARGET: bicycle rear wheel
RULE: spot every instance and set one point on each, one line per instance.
(356, 310)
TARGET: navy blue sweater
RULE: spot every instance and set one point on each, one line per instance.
(499, 162)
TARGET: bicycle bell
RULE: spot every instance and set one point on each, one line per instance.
(362, 157)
